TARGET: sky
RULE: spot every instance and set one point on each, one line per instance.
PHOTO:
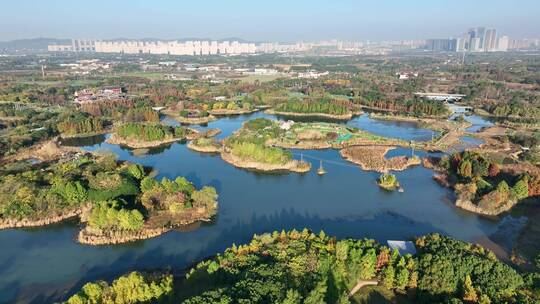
(270, 20)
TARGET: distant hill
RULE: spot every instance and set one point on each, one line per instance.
(29, 45)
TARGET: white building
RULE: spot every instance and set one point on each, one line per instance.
(502, 44)
(312, 74)
(475, 45)
(157, 47)
(60, 48)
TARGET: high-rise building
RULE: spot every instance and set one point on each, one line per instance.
(481, 33)
(502, 44)
(475, 45)
(490, 40)
(441, 45)
(460, 45)
(83, 45)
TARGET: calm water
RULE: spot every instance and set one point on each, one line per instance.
(45, 264)
(478, 122)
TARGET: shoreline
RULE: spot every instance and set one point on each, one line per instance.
(191, 120)
(446, 180)
(115, 140)
(388, 188)
(28, 223)
(203, 149)
(116, 237)
(291, 166)
(232, 112)
(322, 115)
(87, 237)
(84, 135)
(471, 207)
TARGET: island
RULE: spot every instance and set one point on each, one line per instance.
(247, 148)
(192, 115)
(238, 107)
(323, 135)
(372, 158)
(205, 145)
(388, 181)
(118, 201)
(322, 107)
(147, 135)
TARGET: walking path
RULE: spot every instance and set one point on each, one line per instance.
(360, 284)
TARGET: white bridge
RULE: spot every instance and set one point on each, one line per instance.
(158, 108)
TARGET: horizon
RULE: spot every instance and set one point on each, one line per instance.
(302, 20)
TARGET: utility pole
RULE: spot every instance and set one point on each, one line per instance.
(42, 71)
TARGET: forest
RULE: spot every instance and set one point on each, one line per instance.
(415, 107)
(480, 179)
(304, 267)
(149, 131)
(46, 190)
(77, 125)
(313, 106)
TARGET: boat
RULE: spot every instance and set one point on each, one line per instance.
(321, 170)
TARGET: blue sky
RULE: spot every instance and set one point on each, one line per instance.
(276, 20)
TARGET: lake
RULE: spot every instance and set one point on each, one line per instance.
(45, 264)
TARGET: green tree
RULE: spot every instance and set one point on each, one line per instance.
(317, 295)
(465, 169)
(402, 278)
(521, 189)
(469, 293)
(388, 277)
(292, 297)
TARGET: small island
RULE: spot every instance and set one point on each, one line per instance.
(247, 148)
(205, 145)
(388, 182)
(190, 116)
(222, 108)
(147, 135)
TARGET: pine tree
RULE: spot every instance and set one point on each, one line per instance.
(388, 277)
(469, 293)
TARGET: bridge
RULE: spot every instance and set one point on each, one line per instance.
(157, 109)
(440, 96)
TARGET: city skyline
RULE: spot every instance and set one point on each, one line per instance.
(277, 21)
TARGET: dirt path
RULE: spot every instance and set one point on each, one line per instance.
(360, 284)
